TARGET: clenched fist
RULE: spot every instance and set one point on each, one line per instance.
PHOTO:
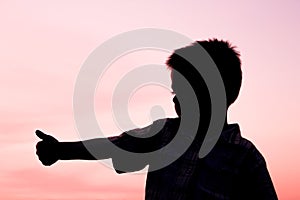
(47, 149)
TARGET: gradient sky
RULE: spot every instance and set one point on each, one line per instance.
(43, 45)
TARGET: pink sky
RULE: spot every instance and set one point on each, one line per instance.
(43, 45)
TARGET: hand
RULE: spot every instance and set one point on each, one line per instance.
(47, 149)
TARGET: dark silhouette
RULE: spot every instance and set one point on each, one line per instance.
(234, 169)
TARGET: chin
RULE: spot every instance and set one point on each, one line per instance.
(178, 111)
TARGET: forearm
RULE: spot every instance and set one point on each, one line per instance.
(94, 149)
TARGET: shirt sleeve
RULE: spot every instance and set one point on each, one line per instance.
(136, 142)
(265, 188)
(257, 178)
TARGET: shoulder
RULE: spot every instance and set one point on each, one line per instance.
(244, 152)
(153, 129)
(148, 131)
(253, 158)
(247, 149)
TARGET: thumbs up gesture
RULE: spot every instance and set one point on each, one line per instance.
(47, 150)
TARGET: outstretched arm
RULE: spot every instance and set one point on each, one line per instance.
(50, 150)
(140, 140)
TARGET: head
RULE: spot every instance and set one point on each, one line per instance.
(227, 61)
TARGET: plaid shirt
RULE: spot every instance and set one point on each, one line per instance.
(234, 169)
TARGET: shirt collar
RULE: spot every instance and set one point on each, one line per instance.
(231, 134)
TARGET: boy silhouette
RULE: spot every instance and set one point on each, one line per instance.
(234, 169)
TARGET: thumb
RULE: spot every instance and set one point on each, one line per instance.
(43, 136)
